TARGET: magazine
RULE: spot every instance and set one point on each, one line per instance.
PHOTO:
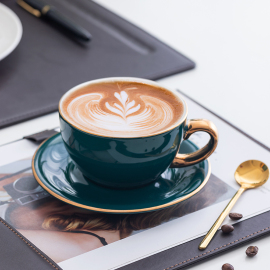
(81, 239)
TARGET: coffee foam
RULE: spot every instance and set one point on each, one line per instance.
(122, 109)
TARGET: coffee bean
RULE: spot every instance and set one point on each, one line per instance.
(227, 228)
(252, 251)
(235, 216)
(227, 266)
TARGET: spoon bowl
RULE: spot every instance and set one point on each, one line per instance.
(251, 174)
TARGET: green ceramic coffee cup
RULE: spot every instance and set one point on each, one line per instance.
(121, 162)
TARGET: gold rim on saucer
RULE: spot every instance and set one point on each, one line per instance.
(113, 210)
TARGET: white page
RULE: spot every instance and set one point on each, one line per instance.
(233, 149)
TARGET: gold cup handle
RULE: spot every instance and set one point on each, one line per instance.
(194, 125)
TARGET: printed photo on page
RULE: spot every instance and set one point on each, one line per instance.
(63, 231)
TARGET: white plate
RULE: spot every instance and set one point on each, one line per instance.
(10, 31)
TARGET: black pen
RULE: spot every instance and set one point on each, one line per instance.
(40, 9)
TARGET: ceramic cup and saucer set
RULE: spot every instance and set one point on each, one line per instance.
(124, 148)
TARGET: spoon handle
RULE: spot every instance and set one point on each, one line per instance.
(206, 240)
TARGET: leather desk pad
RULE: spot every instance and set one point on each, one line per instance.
(18, 253)
(188, 253)
(47, 63)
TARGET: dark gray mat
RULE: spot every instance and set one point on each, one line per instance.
(47, 62)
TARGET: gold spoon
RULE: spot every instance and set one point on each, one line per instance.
(249, 174)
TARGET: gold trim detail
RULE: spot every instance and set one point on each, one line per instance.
(28, 8)
(45, 9)
(112, 210)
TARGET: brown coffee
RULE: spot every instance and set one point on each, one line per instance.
(122, 109)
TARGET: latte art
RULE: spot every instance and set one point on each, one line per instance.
(126, 108)
(122, 110)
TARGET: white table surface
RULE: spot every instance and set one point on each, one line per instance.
(229, 41)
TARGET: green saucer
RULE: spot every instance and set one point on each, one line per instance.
(57, 174)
